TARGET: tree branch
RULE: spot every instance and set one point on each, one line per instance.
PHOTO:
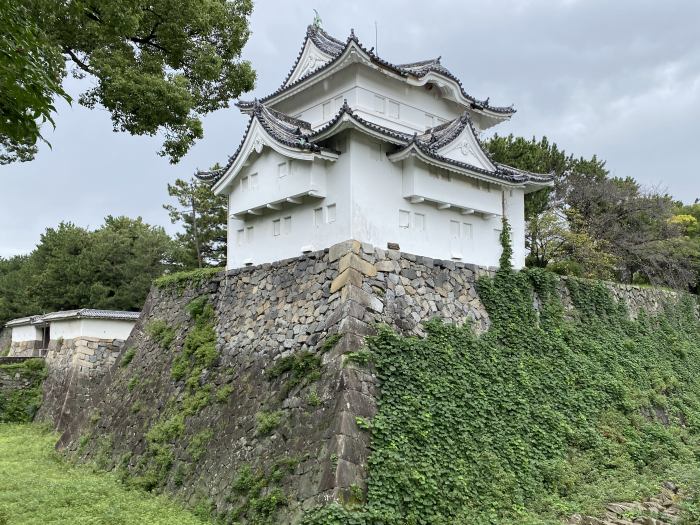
(82, 65)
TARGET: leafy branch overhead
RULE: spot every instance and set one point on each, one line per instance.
(157, 66)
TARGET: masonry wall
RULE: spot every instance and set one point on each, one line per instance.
(265, 314)
(75, 368)
(5, 340)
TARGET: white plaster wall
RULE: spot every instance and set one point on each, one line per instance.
(271, 177)
(446, 187)
(92, 328)
(310, 226)
(368, 192)
(514, 208)
(25, 333)
(379, 203)
(376, 97)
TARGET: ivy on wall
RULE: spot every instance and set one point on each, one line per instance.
(547, 414)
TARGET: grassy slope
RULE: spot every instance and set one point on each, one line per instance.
(37, 486)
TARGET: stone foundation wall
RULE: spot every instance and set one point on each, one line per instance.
(75, 369)
(25, 349)
(5, 341)
(265, 314)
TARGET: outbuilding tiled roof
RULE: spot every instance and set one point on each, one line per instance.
(82, 313)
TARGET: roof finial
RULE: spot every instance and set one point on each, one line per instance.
(317, 20)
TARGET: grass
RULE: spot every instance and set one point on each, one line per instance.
(39, 487)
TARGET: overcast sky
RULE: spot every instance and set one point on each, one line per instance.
(617, 79)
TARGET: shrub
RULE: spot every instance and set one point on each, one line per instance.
(267, 421)
(127, 357)
(161, 333)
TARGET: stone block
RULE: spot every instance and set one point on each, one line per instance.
(353, 293)
(385, 266)
(350, 275)
(351, 260)
(336, 251)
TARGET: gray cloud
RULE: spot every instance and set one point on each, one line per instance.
(616, 79)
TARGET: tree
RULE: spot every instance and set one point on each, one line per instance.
(15, 297)
(203, 218)
(595, 225)
(31, 68)
(111, 267)
(156, 65)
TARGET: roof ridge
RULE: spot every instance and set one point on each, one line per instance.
(416, 69)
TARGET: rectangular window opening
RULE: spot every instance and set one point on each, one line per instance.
(318, 217)
(282, 169)
(276, 224)
(419, 222)
(379, 104)
(393, 109)
(404, 219)
(330, 213)
(287, 226)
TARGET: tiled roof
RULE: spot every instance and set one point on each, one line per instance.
(298, 134)
(290, 131)
(345, 109)
(335, 48)
(82, 313)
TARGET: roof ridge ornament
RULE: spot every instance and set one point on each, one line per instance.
(317, 20)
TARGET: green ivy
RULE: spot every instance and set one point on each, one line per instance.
(547, 414)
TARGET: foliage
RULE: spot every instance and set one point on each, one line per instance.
(78, 494)
(256, 494)
(21, 404)
(224, 393)
(361, 358)
(199, 351)
(31, 69)
(595, 225)
(543, 416)
(505, 261)
(203, 218)
(198, 444)
(109, 268)
(157, 68)
(266, 421)
(181, 280)
(330, 342)
(305, 368)
(127, 357)
(161, 333)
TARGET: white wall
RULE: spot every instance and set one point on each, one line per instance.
(92, 328)
(381, 214)
(369, 194)
(379, 98)
(272, 177)
(26, 333)
(315, 224)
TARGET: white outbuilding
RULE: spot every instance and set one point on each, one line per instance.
(352, 146)
(33, 336)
